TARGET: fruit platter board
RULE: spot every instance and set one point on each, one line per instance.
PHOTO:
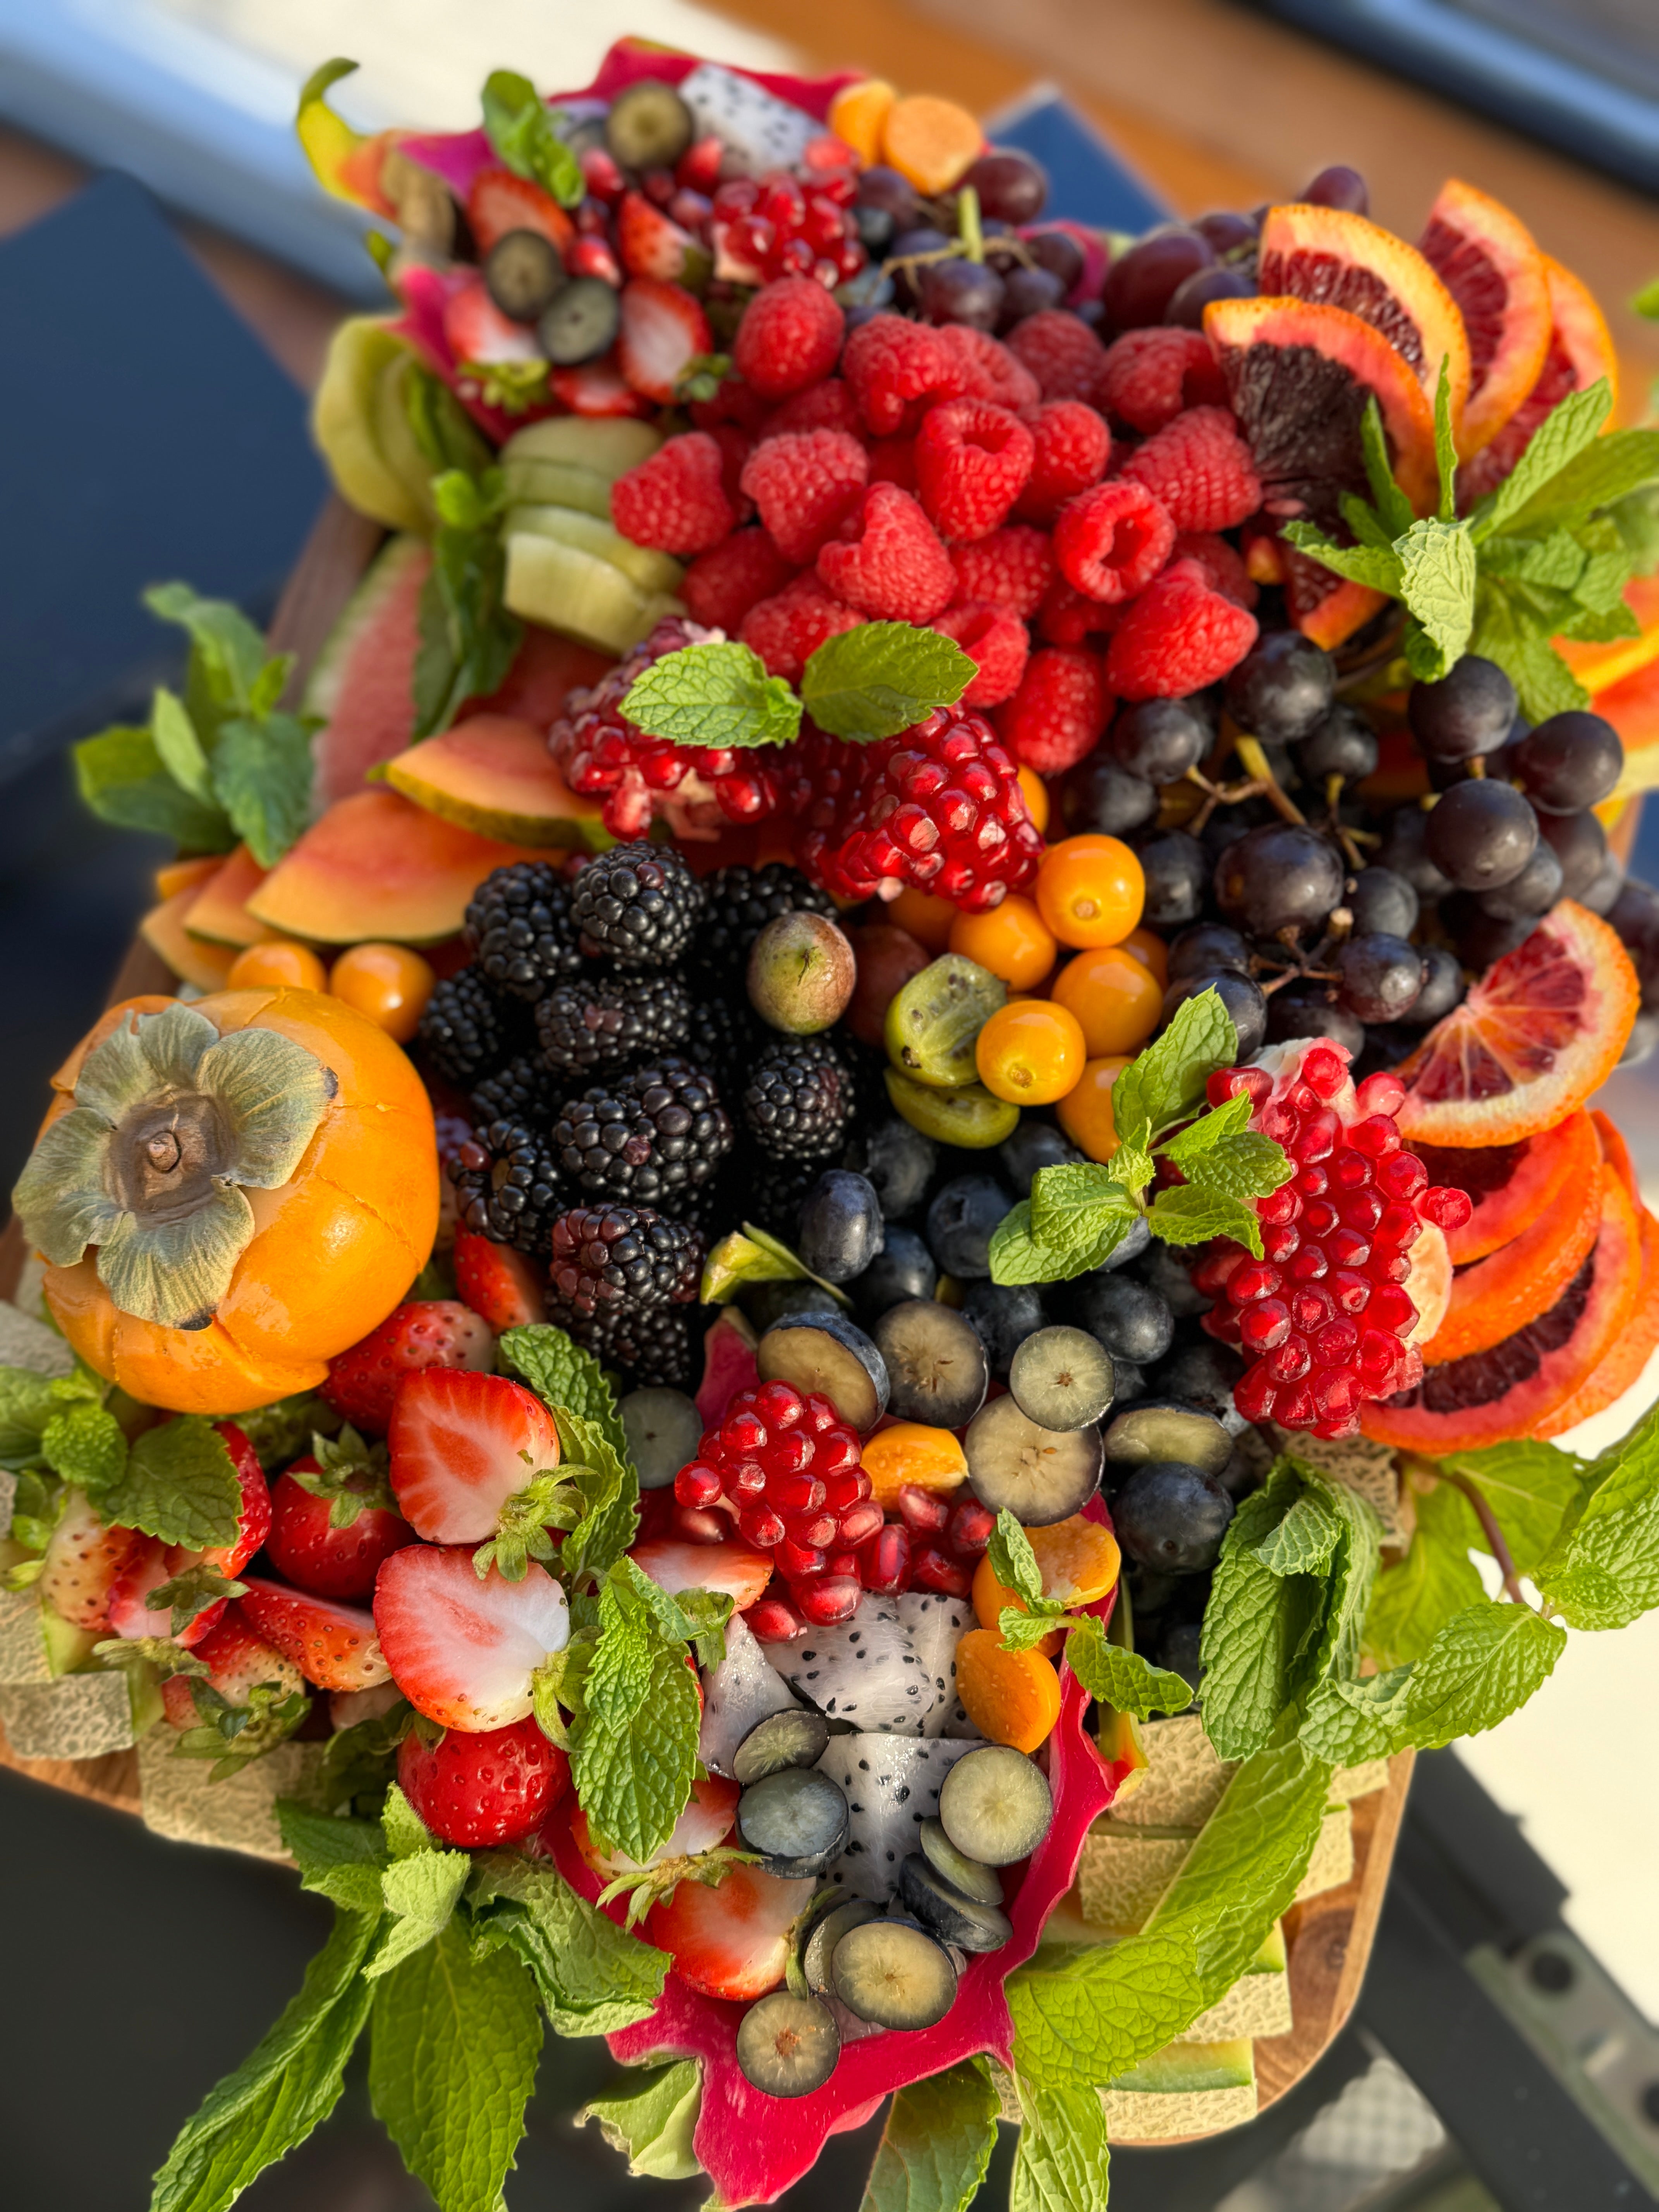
(816, 1285)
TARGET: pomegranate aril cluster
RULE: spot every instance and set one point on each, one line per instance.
(778, 225)
(1322, 1315)
(944, 1542)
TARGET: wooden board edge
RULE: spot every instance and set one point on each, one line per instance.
(112, 1780)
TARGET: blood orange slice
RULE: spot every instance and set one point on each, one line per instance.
(1511, 1185)
(1495, 272)
(1541, 1029)
(1635, 1343)
(1579, 354)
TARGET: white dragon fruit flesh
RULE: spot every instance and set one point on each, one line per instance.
(864, 1671)
(891, 1784)
(736, 1695)
(764, 131)
(936, 1626)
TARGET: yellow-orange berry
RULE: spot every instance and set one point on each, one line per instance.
(1090, 889)
(1152, 951)
(1036, 798)
(926, 917)
(1012, 940)
(279, 964)
(1113, 995)
(387, 982)
(1030, 1052)
(1085, 1111)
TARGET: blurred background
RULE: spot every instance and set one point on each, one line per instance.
(160, 344)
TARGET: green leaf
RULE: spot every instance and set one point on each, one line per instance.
(1349, 1721)
(636, 1754)
(1646, 301)
(592, 1977)
(1305, 1540)
(1014, 1563)
(341, 1859)
(227, 656)
(751, 1255)
(713, 694)
(289, 2082)
(180, 748)
(1605, 470)
(453, 2056)
(650, 2121)
(1079, 2022)
(1438, 584)
(1530, 1487)
(1483, 1666)
(1601, 1570)
(1394, 508)
(262, 777)
(444, 431)
(1018, 1256)
(521, 131)
(1376, 567)
(469, 640)
(421, 1892)
(1191, 1144)
(1559, 438)
(1123, 1680)
(1445, 443)
(1257, 1625)
(1507, 631)
(562, 1374)
(1165, 1083)
(1412, 1603)
(191, 1592)
(937, 2144)
(1191, 1214)
(609, 1526)
(27, 1404)
(1065, 1200)
(119, 776)
(180, 1485)
(882, 677)
(1061, 2162)
(85, 1444)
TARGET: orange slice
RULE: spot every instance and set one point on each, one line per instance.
(1511, 1185)
(1493, 269)
(1579, 354)
(1524, 1278)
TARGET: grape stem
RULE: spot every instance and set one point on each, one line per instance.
(1493, 1534)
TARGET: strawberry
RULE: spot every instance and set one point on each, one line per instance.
(461, 1446)
(423, 1332)
(254, 1524)
(651, 245)
(663, 331)
(500, 202)
(83, 1560)
(498, 1282)
(333, 1519)
(493, 1787)
(333, 1646)
(597, 388)
(477, 330)
(151, 1563)
(464, 1651)
(735, 1568)
(592, 257)
(237, 1662)
(730, 1939)
(698, 169)
(706, 1821)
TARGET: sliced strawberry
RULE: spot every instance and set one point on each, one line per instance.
(498, 1282)
(477, 331)
(497, 1787)
(735, 1568)
(730, 1939)
(253, 1524)
(597, 388)
(462, 1651)
(149, 1567)
(652, 245)
(316, 1547)
(362, 1382)
(237, 1662)
(500, 202)
(591, 257)
(333, 1646)
(84, 1558)
(706, 1821)
(461, 1446)
(663, 330)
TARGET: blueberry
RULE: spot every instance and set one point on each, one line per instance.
(1172, 1517)
(1177, 1649)
(1033, 1147)
(1171, 1275)
(1101, 797)
(840, 1230)
(1003, 1315)
(960, 1223)
(901, 1163)
(1129, 1318)
(903, 1268)
(1203, 1375)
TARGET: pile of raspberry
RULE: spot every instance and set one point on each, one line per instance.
(1323, 1312)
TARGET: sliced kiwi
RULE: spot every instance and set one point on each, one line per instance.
(945, 1913)
(933, 1023)
(524, 275)
(787, 2045)
(1061, 1377)
(970, 1117)
(664, 1429)
(982, 1883)
(649, 125)
(995, 1805)
(826, 1934)
(936, 1364)
(796, 1818)
(1040, 1474)
(823, 1352)
(794, 1737)
(891, 1972)
(581, 323)
(1152, 1432)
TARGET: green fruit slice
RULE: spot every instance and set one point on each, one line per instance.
(558, 483)
(609, 449)
(557, 585)
(969, 1115)
(933, 1023)
(343, 422)
(568, 525)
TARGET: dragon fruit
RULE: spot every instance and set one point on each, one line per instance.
(762, 131)
(891, 1786)
(936, 1626)
(737, 1694)
(864, 1671)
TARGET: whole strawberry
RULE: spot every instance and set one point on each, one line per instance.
(493, 1787)
(333, 1518)
(362, 1382)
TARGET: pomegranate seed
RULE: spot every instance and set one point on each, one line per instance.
(1398, 1226)
(1311, 1307)
(1377, 1355)
(833, 1599)
(773, 1621)
(1396, 1268)
(746, 1482)
(1391, 1308)
(1265, 1324)
(780, 1405)
(934, 1570)
(818, 1414)
(842, 1563)
(817, 1531)
(1290, 1361)
(1254, 1393)
(701, 1525)
(1324, 1070)
(837, 1451)
(697, 1484)
(860, 1522)
(1280, 1205)
(885, 1564)
(1352, 1171)
(1361, 1209)
(795, 1493)
(1211, 1274)
(1446, 1206)
(971, 1528)
(1409, 1371)
(1313, 1182)
(1316, 1138)
(1402, 1174)
(762, 1528)
(1254, 1280)
(844, 1490)
(1348, 1248)
(1221, 1323)
(1281, 1241)
(743, 1433)
(1352, 1291)
(1337, 1393)
(1227, 1082)
(789, 1454)
(1309, 1264)
(800, 1562)
(1293, 1406)
(1376, 1138)
(1277, 1120)
(1382, 1093)
(923, 1511)
(1304, 1099)
(1336, 1342)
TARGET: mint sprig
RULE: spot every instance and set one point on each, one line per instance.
(713, 695)
(468, 638)
(937, 2144)
(520, 129)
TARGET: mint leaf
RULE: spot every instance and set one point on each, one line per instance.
(883, 678)
(468, 637)
(1511, 633)
(26, 1405)
(1079, 2022)
(1303, 1541)
(1348, 1721)
(1230, 1119)
(86, 1445)
(1601, 1569)
(120, 777)
(522, 131)
(634, 1754)
(262, 777)
(611, 1522)
(288, 2082)
(227, 655)
(652, 2121)
(561, 1373)
(1123, 1680)
(1438, 584)
(1411, 1603)
(1350, 1578)
(281, 1432)
(937, 2144)
(341, 1859)
(1061, 2162)
(453, 2056)
(1393, 508)
(179, 1484)
(1605, 471)
(1445, 444)
(1530, 1487)
(592, 1977)
(1014, 1563)
(1559, 438)
(713, 694)
(1066, 1200)
(1376, 567)
(1018, 1256)
(1258, 1625)
(421, 1892)
(1483, 1666)
(1190, 1214)
(1166, 1083)
(180, 748)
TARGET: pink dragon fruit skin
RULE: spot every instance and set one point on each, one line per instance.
(425, 294)
(754, 2147)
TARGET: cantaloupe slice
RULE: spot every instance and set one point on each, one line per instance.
(494, 775)
(379, 866)
(221, 914)
(182, 875)
(191, 959)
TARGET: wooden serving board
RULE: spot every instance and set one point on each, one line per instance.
(1330, 1938)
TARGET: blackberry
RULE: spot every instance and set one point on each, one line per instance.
(799, 1100)
(467, 1032)
(623, 1258)
(519, 925)
(596, 1027)
(726, 1036)
(739, 902)
(506, 1185)
(650, 1139)
(638, 904)
(772, 1194)
(653, 1349)
(526, 1090)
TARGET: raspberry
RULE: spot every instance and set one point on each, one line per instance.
(720, 585)
(787, 629)
(890, 363)
(1178, 637)
(1201, 470)
(1222, 563)
(893, 460)
(1071, 447)
(736, 445)
(1058, 712)
(1150, 375)
(1012, 567)
(972, 462)
(826, 406)
(676, 501)
(891, 566)
(734, 402)
(1063, 353)
(1068, 615)
(1112, 541)
(804, 483)
(989, 371)
(997, 641)
(790, 337)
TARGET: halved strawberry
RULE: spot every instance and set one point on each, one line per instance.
(461, 1446)
(730, 1939)
(735, 1568)
(592, 257)
(477, 331)
(490, 1787)
(652, 245)
(596, 387)
(500, 202)
(663, 330)
(253, 1524)
(84, 1559)
(706, 1821)
(151, 1563)
(463, 1651)
(422, 1333)
(331, 1644)
(498, 1282)
(237, 1661)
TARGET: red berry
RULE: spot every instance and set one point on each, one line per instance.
(893, 460)
(774, 1620)
(475, 1789)
(1112, 541)
(989, 370)
(973, 459)
(826, 406)
(971, 1527)
(1071, 445)
(720, 585)
(829, 1600)
(1224, 568)
(1011, 567)
(923, 1512)
(1177, 637)
(995, 640)
(311, 1552)
(858, 1523)
(804, 483)
(935, 1570)
(1057, 716)
(676, 501)
(887, 560)
(701, 1525)
(891, 363)
(695, 1484)
(790, 337)
(363, 1382)
(885, 1563)
(1062, 352)
(1151, 376)
(786, 629)
(1199, 468)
